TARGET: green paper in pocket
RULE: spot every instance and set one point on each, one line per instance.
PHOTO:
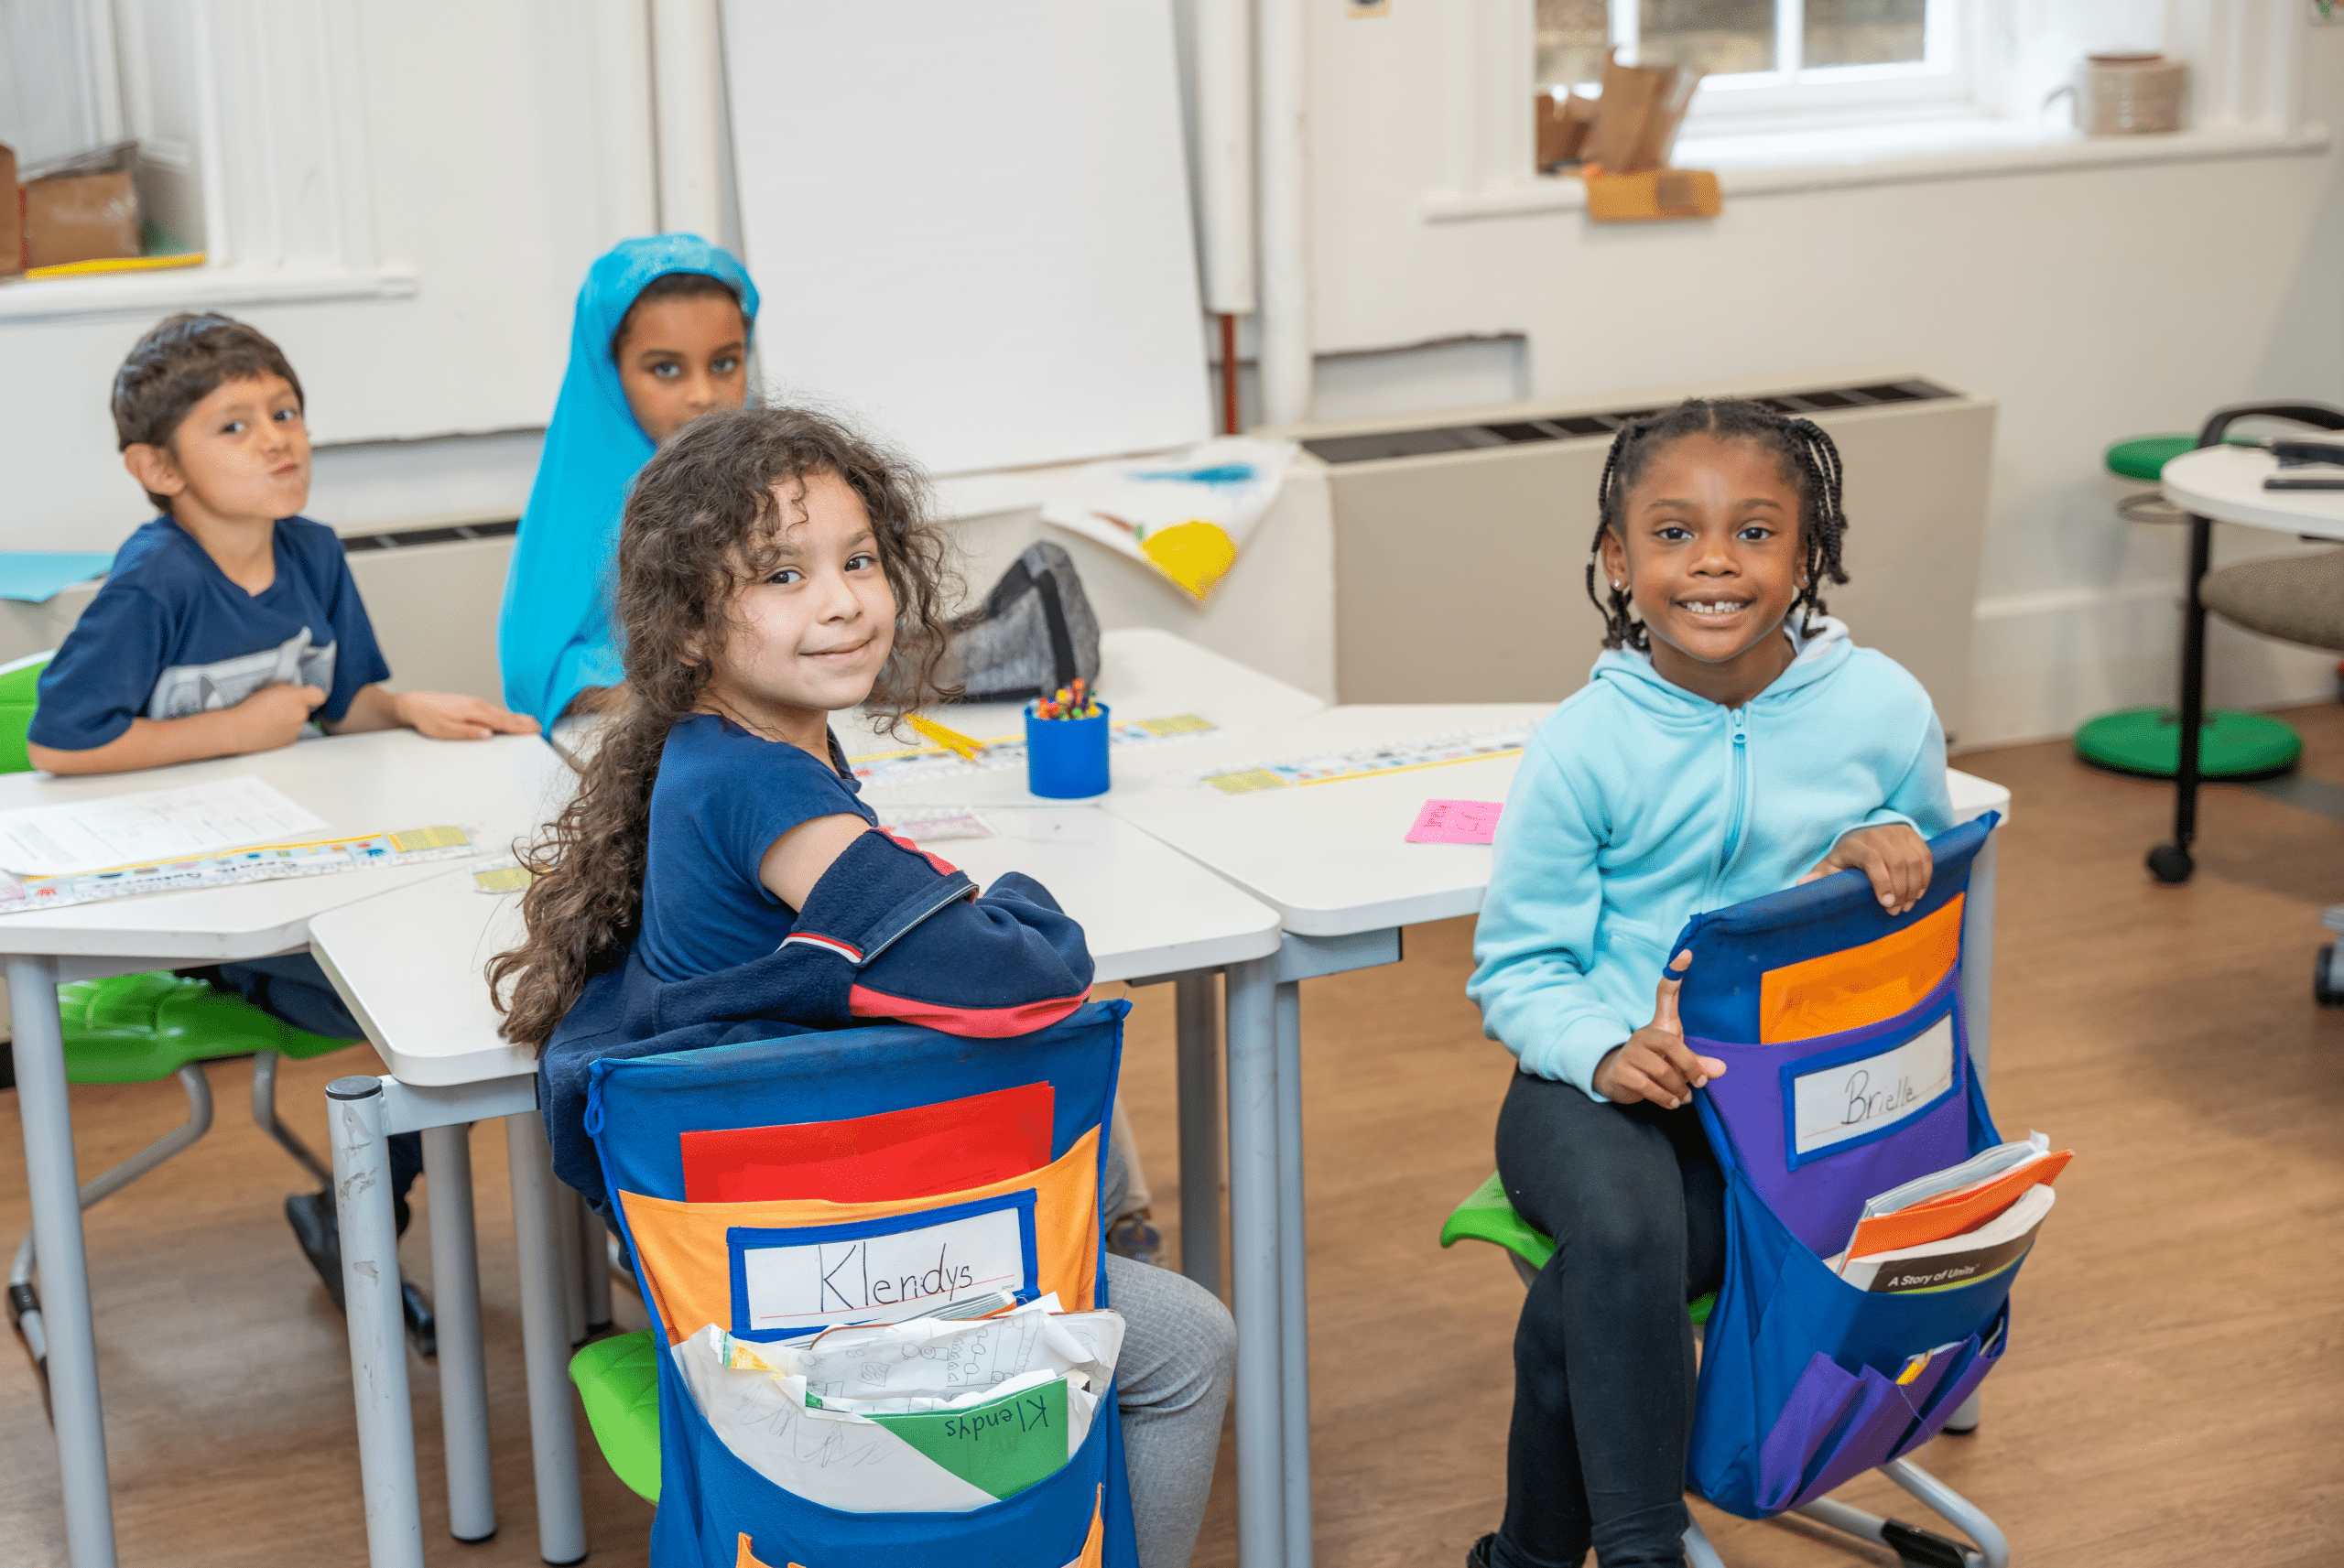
(1002, 1447)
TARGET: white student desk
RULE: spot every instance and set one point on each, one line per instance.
(408, 964)
(1333, 861)
(1143, 674)
(359, 784)
(1147, 674)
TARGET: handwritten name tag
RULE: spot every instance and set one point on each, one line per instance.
(885, 1277)
(1854, 1100)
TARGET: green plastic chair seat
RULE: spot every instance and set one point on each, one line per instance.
(618, 1382)
(19, 693)
(134, 1028)
(1487, 1214)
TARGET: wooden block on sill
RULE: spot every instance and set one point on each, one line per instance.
(1656, 193)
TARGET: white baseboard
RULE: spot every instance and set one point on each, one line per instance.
(2045, 663)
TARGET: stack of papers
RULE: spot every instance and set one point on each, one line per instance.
(151, 826)
(924, 1416)
(1956, 1225)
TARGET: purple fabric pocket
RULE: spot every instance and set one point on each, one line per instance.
(1955, 1388)
(1836, 1424)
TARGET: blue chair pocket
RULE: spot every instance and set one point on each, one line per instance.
(710, 1500)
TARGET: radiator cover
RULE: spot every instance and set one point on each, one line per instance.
(1462, 546)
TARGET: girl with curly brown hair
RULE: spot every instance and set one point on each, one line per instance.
(717, 878)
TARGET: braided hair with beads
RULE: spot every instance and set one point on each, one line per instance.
(1809, 462)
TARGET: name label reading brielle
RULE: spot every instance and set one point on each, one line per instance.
(1853, 1100)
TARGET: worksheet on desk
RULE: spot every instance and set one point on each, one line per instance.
(151, 826)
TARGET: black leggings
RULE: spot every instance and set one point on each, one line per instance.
(1603, 1356)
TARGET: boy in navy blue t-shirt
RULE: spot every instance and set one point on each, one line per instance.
(227, 625)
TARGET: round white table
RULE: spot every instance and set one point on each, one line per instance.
(2225, 483)
(2220, 484)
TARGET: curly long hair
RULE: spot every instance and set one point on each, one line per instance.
(1808, 458)
(702, 521)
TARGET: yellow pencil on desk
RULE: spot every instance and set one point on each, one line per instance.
(951, 740)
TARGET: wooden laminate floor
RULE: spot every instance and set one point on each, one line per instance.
(2174, 1393)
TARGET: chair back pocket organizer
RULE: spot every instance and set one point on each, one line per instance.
(1847, 1074)
(769, 1189)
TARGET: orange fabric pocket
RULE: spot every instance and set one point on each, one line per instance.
(687, 1258)
(1860, 986)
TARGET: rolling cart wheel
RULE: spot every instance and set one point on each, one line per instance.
(2324, 976)
(2171, 864)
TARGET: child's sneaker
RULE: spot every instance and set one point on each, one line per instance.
(318, 1230)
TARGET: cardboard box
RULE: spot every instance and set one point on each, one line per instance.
(81, 217)
(1657, 140)
(1562, 127)
(12, 215)
(1653, 194)
(1630, 94)
(1637, 118)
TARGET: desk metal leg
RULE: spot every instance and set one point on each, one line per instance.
(538, 1214)
(370, 1286)
(44, 1107)
(1977, 1014)
(463, 1371)
(1978, 958)
(594, 1269)
(1200, 1132)
(1251, 1049)
(1293, 1298)
(568, 1211)
(2172, 862)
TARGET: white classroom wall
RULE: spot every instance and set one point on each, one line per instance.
(483, 125)
(2092, 304)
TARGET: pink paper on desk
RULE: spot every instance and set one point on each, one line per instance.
(1456, 822)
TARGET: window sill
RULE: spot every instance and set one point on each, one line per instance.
(145, 293)
(1766, 164)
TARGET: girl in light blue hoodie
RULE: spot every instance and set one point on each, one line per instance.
(1732, 741)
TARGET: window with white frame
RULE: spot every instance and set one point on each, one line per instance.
(1768, 56)
(250, 127)
(49, 104)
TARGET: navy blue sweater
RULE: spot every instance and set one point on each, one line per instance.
(889, 934)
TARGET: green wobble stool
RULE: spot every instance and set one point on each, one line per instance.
(2146, 741)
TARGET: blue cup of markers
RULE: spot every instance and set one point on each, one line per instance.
(1066, 759)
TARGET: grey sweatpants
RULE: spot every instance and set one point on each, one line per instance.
(1180, 1353)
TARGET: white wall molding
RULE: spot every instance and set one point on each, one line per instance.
(687, 98)
(2044, 662)
(1889, 165)
(115, 296)
(1282, 143)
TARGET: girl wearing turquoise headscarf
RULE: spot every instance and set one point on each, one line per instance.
(661, 336)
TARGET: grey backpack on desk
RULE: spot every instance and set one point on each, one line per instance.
(1034, 634)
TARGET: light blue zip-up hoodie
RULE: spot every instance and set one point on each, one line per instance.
(1639, 805)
